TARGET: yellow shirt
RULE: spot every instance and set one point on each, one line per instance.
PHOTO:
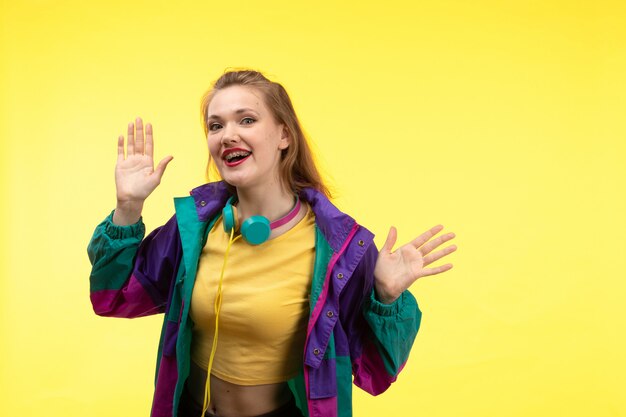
(265, 305)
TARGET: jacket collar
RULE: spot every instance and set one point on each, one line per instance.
(210, 198)
(334, 224)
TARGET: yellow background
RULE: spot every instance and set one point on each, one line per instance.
(502, 120)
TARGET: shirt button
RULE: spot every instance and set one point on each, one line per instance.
(329, 314)
(316, 351)
(340, 275)
(203, 203)
(361, 243)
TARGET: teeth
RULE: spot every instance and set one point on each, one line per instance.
(230, 156)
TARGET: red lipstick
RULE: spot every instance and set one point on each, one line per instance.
(230, 151)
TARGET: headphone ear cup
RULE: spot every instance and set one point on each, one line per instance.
(229, 218)
(256, 230)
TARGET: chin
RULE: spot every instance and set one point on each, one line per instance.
(246, 179)
(236, 182)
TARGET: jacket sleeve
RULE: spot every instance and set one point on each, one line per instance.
(131, 277)
(386, 331)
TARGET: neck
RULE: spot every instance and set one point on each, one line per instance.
(271, 202)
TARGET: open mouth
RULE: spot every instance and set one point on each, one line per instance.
(236, 158)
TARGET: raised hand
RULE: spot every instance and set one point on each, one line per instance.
(135, 175)
(396, 271)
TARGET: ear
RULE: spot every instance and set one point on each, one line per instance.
(285, 138)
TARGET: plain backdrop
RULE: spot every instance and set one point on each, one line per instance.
(502, 120)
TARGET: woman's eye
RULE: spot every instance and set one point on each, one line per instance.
(214, 126)
(247, 120)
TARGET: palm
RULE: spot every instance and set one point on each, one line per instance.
(403, 264)
(135, 176)
(396, 271)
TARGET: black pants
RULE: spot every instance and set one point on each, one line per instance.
(188, 407)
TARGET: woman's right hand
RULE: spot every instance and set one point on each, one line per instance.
(135, 175)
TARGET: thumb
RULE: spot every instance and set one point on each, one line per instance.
(391, 240)
(160, 168)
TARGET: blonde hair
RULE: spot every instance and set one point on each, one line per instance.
(297, 167)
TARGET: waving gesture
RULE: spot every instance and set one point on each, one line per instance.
(396, 270)
(135, 175)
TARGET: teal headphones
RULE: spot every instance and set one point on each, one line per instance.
(255, 229)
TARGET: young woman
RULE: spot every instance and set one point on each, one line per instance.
(266, 286)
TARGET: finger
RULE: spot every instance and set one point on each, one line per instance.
(130, 140)
(120, 148)
(160, 169)
(438, 255)
(436, 270)
(149, 143)
(425, 237)
(390, 241)
(139, 136)
(430, 246)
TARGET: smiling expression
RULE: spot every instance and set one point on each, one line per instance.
(244, 139)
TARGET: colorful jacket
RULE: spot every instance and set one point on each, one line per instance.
(349, 332)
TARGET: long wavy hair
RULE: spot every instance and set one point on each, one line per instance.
(297, 166)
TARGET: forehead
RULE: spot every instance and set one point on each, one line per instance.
(234, 98)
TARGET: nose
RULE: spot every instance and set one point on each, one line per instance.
(229, 134)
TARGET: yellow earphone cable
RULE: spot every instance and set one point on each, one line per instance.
(218, 307)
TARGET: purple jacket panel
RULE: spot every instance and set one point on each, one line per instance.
(157, 263)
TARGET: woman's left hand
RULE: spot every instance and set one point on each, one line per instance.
(396, 271)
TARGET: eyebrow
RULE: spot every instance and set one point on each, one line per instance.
(238, 111)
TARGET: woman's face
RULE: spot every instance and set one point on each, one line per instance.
(244, 139)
